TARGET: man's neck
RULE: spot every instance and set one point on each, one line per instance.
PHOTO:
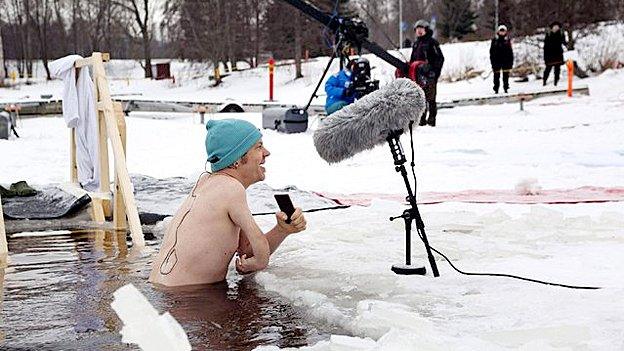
(233, 174)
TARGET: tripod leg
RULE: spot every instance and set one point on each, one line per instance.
(408, 240)
(14, 131)
(432, 261)
(331, 59)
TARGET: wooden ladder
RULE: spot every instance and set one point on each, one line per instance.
(111, 127)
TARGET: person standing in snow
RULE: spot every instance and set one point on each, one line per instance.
(215, 221)
(339, 89)
(501, 58)
(553, 51)
(427, 49)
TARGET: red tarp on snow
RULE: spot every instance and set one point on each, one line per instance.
(583, 194)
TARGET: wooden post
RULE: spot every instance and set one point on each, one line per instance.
(3, 241)
(119, 208)
(105, 106)
(97, 206)
(73, 168)
(102, 138)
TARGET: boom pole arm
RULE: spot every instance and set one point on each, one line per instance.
(344, 26)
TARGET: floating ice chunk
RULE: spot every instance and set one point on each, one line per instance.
(528, 186)
(398, 340)
(559, 337)
(319, 305)
(347, 343)
(144, 326)
(375, 318)
(394, 340)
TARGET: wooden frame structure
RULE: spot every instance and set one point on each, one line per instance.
(3, 241)
(111, 127)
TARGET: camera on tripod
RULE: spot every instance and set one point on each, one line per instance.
(362, 82)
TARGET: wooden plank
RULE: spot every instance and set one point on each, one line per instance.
(89, 61)
(97, 210)
(118, 152)
(73, 167)
(102, 137)
(4, 248)
(506, 99)
(119, 209)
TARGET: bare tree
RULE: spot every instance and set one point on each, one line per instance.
(141, 12)
(22, 28)
(60, 25)
(39, 18)
(298, 46)
(3, 72)
(2, 66)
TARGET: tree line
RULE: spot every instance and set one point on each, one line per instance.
(227, 32)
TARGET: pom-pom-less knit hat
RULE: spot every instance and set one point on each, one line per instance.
(227, 140)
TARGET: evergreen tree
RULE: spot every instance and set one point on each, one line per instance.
(456, 18)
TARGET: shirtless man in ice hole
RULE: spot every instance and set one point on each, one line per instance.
(215, 221)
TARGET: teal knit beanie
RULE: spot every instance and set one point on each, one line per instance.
(227, 140)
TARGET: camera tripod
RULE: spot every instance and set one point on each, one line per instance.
(336, 50)
(409, 214)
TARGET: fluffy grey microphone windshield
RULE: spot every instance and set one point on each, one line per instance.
(366, 123)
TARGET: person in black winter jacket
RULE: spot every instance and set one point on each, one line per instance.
(501, 58)
(427, 49)
(553, 51)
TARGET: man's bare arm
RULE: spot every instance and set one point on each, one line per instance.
(240, 214)
(277, 234)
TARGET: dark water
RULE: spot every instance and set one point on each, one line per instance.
(58, 289)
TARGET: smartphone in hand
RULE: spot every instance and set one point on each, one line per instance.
(285, 205)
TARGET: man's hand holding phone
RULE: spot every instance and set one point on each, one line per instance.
(297, 222)
(290, 219)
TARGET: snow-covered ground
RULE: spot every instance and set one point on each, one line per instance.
(339, 269)
(562, 142)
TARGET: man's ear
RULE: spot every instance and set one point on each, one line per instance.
(243, 159)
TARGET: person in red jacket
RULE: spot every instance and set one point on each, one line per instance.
(427, 49)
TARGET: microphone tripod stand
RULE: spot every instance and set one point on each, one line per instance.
(410, 214)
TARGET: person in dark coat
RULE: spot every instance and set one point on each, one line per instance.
(427, 49)
(501, 58)
(553, 51)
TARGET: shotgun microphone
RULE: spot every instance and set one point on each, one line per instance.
(367, 122)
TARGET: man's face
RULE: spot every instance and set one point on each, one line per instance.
(502, 32)
(420, 31)
(251, 163)
(555, 28)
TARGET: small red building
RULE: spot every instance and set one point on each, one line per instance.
(161, 69)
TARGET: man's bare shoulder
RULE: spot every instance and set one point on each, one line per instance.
(223, 186)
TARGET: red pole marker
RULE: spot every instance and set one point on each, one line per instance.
(271, 70)
(570, 66)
